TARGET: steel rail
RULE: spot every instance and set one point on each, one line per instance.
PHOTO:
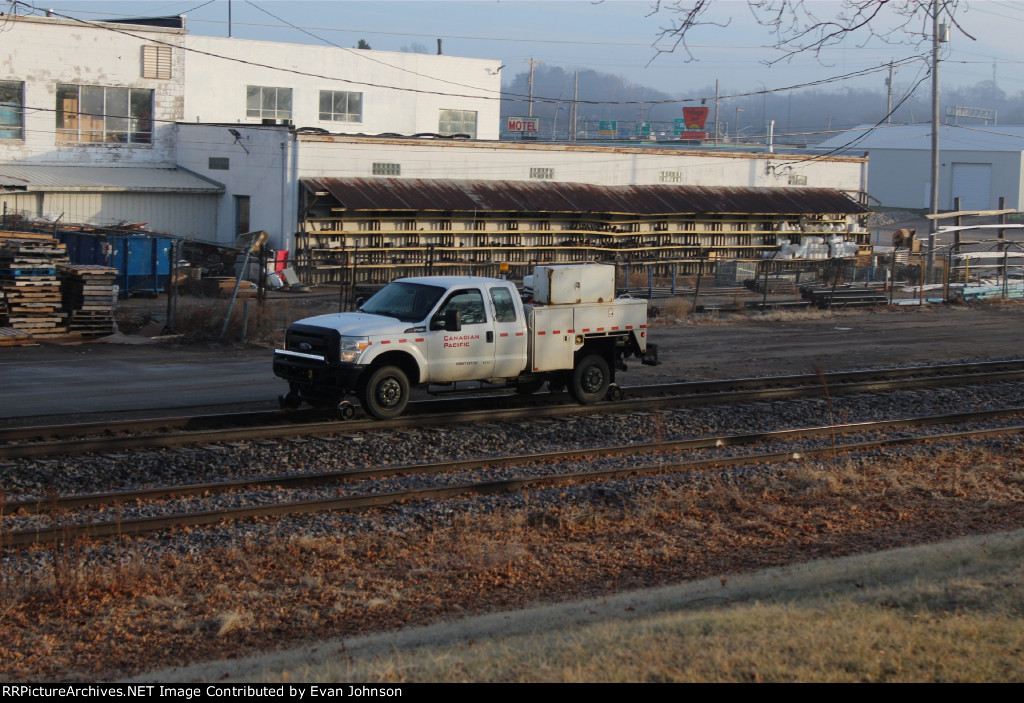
(320, 478)
(496, 398)
(809, 386)
(145, 525)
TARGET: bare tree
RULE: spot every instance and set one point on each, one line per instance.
(798, 26)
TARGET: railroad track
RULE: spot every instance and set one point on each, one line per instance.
(66, 440)
(62, 527)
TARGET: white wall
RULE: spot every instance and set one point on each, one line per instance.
(899, 177)
(261, 165)
(184, 214)
(43, 52)
(402, 93)
(347, 157)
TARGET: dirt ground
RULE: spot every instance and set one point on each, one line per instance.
(793, 343)
(104, 378)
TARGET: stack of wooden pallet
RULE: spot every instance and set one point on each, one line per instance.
(224, 287)
(88, 294)
(28, 279)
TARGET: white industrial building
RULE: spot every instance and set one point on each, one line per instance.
(87, 126)
(79, 100)
(262, 168)
(978, 164)
(340, 90)
(209, 137)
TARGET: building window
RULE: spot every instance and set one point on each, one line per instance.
(219, 163)
(12, 106)
(458, 122)
(340, 106)
(87, 113)
(545, 173)
(268, 103)
(156, 61)
(795, 180)
(385, 169)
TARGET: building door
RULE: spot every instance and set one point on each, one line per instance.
(972, 183)
(242, 214)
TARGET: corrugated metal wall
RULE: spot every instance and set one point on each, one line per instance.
(186, 214)
(25, 203)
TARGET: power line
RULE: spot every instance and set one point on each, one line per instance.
(498, 95)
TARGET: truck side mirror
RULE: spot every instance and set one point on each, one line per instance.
(451, 321)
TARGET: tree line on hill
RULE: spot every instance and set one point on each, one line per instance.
(802, 116)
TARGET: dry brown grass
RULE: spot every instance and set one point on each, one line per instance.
(882, 633)
(201, 320)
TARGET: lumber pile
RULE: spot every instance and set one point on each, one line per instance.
(28, 280)
(88, 298)
(14, 338)
(215, 287)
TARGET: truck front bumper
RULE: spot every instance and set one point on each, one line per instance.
(314, 373)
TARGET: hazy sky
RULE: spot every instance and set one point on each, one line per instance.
(612, 37)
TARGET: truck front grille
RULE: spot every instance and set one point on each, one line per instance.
(312, 341)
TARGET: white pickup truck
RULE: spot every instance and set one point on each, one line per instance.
(439, 330)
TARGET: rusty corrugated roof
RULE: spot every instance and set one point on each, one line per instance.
(419, 194)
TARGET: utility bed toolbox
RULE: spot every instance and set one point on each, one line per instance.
(570, 285)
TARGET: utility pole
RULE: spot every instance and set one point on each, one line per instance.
(934, 200)
(575, 102)
(716, 112)
(532, 64)
(888, 102)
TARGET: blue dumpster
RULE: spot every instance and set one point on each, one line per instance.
(143, 261)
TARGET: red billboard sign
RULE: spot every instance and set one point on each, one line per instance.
(695, 117)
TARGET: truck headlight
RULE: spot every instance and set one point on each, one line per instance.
(352, 347)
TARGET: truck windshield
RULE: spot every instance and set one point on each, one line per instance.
(409, 302)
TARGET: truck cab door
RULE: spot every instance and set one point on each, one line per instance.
(466, 354)
(509, 333)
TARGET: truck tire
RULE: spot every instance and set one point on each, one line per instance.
(590, 380)
(386, 393)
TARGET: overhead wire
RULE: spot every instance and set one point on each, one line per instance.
(498, 95)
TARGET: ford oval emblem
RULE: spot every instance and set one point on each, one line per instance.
(306, 346)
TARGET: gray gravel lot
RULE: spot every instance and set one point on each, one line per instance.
(93, 379)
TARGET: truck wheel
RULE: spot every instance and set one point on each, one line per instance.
(345, 410)
(386, 393)
(290, 401)
(590, 380)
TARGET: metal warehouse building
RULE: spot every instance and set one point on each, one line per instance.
(978, 164)
(367, 230)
